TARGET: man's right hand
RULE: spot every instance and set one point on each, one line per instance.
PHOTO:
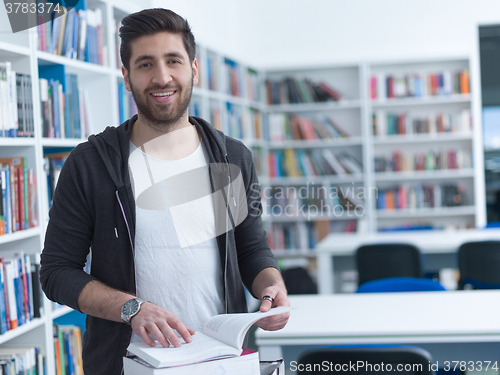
(160, 323)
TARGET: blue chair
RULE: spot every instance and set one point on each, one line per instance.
(479, 265)
(400, 284)
(381, 261)
(375, 359)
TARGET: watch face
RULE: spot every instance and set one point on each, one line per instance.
(130, 307)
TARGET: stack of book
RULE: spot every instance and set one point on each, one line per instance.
(21, 299)
(429, 161)
(68, 349)
(421, 196)
(419, 85)
(295, 91)
(301, 163)
(217, 349)
(75, 35)
(19, 198)
(21, 360)
(65, 113)
(402, 123)
(284, 127)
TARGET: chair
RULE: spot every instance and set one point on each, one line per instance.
(372, 360)
(400, 284)
(479, 265)
(380, 261)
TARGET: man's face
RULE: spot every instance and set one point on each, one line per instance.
(161, 78)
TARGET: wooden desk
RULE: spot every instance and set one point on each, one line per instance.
(429, 242)
(469, 319)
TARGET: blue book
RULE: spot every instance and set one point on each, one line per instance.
(3, 311)
(19, 292)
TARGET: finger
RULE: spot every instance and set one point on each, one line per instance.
(169, 334)
(184, 331)
(144, 335)
(265, 305)
(160, 334)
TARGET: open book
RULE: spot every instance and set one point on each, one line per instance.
(222, 336)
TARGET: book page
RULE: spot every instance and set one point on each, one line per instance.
(231, 328)
(202, 348)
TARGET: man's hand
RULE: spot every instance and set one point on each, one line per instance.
(160, 323)
(280, 298)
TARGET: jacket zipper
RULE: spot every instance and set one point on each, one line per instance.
(132, 249)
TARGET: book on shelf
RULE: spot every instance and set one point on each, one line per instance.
(17, 300)
(443, 160)
(18, 199)
(53, 163)
(245, 364)
(77, 34)
(21, 360)
(68, 349)
(384, 123)
(419, 84)
(16, 106)
(407, 196)
(295, 91)
(232, 77)
(222, 336)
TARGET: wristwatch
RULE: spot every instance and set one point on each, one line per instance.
(131, 308)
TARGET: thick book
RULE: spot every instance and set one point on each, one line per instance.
(245, 364)
(222, 336)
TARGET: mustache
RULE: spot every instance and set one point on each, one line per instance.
(157, 87)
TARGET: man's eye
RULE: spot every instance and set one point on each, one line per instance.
(175, 62)
(144, 65)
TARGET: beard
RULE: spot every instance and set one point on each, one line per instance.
(162, 117)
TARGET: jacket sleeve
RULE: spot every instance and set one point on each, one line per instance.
(68, 238)
(254, 253)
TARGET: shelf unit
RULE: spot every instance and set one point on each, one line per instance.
(455, 134)
(231, 97)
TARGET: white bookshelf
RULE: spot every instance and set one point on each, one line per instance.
(354, 114)
(101, 83)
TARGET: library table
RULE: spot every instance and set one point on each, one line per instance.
(429, 242)
(452, 325)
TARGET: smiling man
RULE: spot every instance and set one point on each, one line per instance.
(161, 201)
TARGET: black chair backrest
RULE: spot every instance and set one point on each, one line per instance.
(480, 262)
(380, 261)
(299, 281)
(404, 360)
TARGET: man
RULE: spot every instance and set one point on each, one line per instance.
(162, 201)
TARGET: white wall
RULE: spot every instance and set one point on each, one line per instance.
(276, 33)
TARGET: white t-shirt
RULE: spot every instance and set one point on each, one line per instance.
(176, 256)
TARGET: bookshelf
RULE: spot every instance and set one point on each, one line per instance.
(90, 82)
(314, 158)
(411, 125)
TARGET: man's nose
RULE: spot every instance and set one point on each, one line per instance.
(163, 75)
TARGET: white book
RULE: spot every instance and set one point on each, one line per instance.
(62, 115)
(381, 118)
(13, 103)
(333, 162)
(222, 336)
(381, 86)
(276, 127)
(247, 364)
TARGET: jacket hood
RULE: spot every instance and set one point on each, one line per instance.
(113, 146)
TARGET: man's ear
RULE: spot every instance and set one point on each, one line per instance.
(126, 78)
(196, 76)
